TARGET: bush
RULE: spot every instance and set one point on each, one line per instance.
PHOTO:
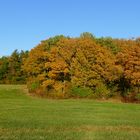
(138, 97)
(32, 86)
(132, 97)
(101, 91)
(56, 95)
(80, 92)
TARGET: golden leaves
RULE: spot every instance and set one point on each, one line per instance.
(83, 62)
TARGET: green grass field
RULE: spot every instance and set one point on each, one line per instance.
(23, 117)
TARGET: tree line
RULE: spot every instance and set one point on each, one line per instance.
(80, 67)
(11, 71)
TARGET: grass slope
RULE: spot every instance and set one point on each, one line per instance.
(28, 118)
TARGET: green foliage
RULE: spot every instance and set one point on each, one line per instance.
(34, 86)
(80, 92)
(109, 43)
(53, 40)
(101, 91)
(3, 68)
(11, 68)
(138, 97)
(87, 35)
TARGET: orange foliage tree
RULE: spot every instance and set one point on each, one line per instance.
(60, 63)
(129, 58)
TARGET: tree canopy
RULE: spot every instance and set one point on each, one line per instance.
(60, 65)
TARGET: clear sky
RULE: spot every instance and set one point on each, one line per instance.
(24, 23)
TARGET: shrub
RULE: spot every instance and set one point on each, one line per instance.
(101, 91)
(56, 95)
(80, 92)
(32, 86)
(138, 97)
(132, 97)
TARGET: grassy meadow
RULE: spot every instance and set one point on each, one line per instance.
(23, 117)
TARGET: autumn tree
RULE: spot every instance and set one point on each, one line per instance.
(3, 69)
(82, 63)
(34, 66)
(93, 66)
(129, 58)
(59, 65)
(99, 64)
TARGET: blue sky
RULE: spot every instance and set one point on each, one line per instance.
(24, 23)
